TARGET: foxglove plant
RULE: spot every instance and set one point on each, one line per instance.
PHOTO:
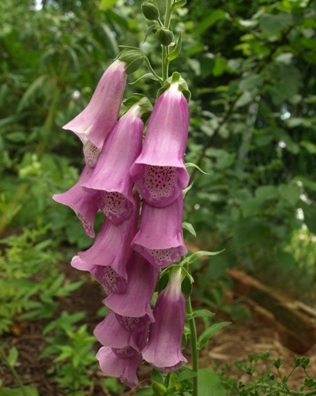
(159, 171)
(95, 123)
(164, 344)
(159, 238)
(140, 244)
(110, 176)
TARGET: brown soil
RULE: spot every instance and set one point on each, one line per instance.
(231, 344)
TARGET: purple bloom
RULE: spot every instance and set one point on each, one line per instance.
(120, 367)
(83, 203)
(165, 335)
(110, 333)
(107, 258)
(135, 301)
(111, 174)
(159, 238)
(94, 124)
(159, 171)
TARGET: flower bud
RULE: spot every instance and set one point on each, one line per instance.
(150, 11)
(164, 36)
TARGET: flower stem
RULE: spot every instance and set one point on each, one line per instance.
(165, 49)
(194, 351)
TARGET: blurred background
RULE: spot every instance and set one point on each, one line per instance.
(251, 69)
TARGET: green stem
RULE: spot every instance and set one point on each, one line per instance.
(152, 70)
(165, 49)
(194, 351)
(13, 371)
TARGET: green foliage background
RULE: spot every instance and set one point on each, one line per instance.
(251, 68)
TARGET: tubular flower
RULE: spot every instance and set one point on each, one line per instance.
(94, 124)
(105, 259)
(120, 367)
(111, 173)
(135, 301)
(110, 333)
(83, 203)
(165, 335)
(159, 238)
(159, 171)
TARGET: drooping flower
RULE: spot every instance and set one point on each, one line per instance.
(83, 203)
(159, 238)
(111, 174)
(165, 335)
(107, 258)
(119, 367)
(159, 171)
(94, 124)
(135, 301)
(110, 333)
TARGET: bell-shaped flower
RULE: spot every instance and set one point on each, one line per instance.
(111, 174)
(135, 301)
(95, 123)
(111, 249)
(165, 335)
(119, 367)
(110, 333)
(159, 238)
(159, 171)
(83, 203)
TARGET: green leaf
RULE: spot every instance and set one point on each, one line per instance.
(202, 313)
(290, 193)
(32, 92)
(186, 286)
(177, 4)
(13, 356)
(265, 193)
(209, 21)
(244, 99)
(210, 332)
(271, 23)
(250, 82)
(189, 227)
(27, 391)
(195, 256)
(147, 391)
(309, 216)
(306, 182)
(219, 66)
(156, 376)
(209, 383)
(249, 231)
(185, 374)
(176, 51)
(192, 165)
(106, 4)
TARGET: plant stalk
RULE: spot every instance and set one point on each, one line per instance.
(13, 371)
(194, 351)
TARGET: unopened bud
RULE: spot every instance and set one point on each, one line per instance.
(150, 11)
(164, 36)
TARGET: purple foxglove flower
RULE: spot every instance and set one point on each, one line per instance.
(165, 335)
(135, 301)
(159, 171)
(120, 367)
(111, 175)
(159, 238)
(82, 202)
(94, 124)
(110, 333)
(107, 258)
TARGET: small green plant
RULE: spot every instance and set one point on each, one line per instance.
(266, 380)
(71, 346)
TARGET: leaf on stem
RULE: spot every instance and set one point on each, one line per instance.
(210, 332)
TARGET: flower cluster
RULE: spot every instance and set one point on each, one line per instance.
(138, 186)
